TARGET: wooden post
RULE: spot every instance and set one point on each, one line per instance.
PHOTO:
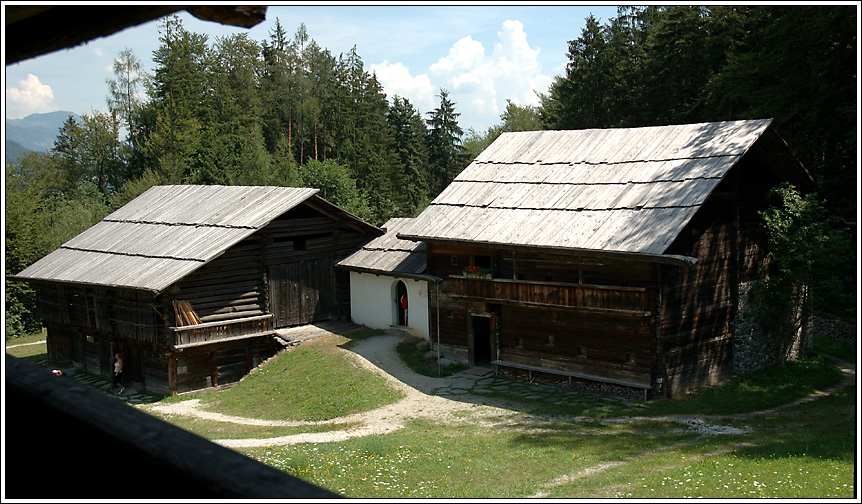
(659, 367)
(172, 374)
(213, 370)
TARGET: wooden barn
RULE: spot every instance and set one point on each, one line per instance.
(613, 256)
(382, 272)
(189, 283)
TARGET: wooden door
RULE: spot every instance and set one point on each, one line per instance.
(480, 345)
(284, 297)
(106, 358)
(301, 292)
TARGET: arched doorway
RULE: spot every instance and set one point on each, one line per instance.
(402, 313)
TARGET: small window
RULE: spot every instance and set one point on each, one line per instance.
(549, 278)
(630, 358)
(582, 351)
(519, 342)
(454, 260)
(482, 261)
(450, 314)
(550, 340)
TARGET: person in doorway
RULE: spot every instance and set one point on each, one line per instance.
(118, 372)
(404, 307)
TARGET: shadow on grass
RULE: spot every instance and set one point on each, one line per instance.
(760, 390)
(824, 428)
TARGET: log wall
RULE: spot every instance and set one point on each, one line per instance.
(585, 316)
(127, 313)
(229, 287)
(699, 304)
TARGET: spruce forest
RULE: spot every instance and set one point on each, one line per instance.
(286, 111)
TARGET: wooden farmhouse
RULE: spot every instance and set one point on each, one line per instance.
(382, 272)
(190, 283)
(615, 256)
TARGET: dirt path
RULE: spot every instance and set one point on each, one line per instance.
(378, 355)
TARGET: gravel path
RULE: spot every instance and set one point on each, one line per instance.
(378, 355)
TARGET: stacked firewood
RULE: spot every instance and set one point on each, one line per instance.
(185, 314)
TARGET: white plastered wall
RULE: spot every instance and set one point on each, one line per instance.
(372, 302)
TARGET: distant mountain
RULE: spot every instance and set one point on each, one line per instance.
(14, 150)
(35, 132)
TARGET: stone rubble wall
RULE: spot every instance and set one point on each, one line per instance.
(837, 329)
(752, 349)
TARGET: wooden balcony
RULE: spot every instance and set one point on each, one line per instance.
(222, 330)
(612, 299)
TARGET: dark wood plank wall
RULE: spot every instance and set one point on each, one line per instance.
(700, 303)
(219, 363)
(617, 346)
(128, 313)
(312, 243)
(612, 346)
(229, 287)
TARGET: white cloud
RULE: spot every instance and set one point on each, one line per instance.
(477, 82)
(463, 56)
(396, 80)
(30, 97)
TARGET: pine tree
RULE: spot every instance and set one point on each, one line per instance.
(444, 144)
(178, 91)
(409, 133)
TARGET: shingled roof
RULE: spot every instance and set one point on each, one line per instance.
(388, 254)
(624, 190)
(168, 232)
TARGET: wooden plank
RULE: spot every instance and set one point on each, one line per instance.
(641, 384)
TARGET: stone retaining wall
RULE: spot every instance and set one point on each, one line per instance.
(838, 329)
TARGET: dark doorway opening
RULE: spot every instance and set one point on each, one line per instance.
(481, 326)
(400, 303)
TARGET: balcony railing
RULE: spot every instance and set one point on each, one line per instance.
(620, 299)
(222, 330)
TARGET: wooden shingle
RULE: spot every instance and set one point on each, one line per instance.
(624, 190)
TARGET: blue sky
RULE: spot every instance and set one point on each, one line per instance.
(482, 54)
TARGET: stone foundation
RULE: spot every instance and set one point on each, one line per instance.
(753, 349)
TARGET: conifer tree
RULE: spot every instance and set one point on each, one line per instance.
(446, 158)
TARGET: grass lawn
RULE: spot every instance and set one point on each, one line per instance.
(314, 381)
(805, 451)
(31, 348)
(783, 456)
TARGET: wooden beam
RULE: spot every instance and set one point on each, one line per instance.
(33, 31)
(57, 420)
